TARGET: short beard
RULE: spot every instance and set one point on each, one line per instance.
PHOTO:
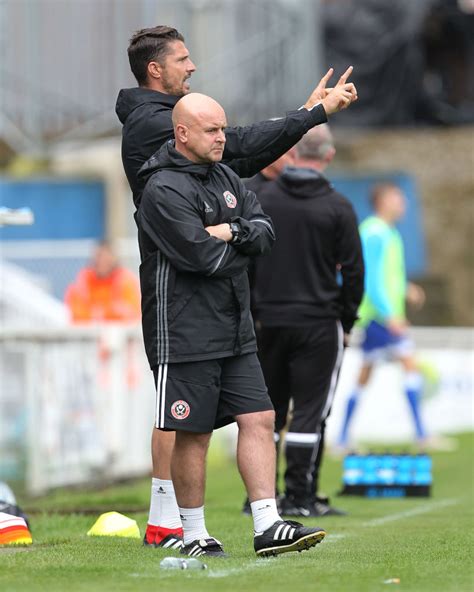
(170, 90)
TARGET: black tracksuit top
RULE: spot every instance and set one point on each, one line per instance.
(146, 118)
(317, 232)
(195, 289)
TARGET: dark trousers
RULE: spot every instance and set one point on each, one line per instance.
(301, 364)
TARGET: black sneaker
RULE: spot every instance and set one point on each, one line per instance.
(286, 536)
(211, 547)
(290, 506)
(312, 508)
(321, 507)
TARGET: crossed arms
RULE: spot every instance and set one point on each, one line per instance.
(174, 224)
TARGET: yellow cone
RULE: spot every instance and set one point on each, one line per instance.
(115, 524)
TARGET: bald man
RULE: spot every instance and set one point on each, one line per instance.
(198, 230)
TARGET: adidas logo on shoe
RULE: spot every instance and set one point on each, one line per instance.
(286, 536)
(211, 547)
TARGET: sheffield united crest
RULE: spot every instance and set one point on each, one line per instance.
(180, 409)
(230, 199)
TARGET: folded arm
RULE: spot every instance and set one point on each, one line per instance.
(176, 228)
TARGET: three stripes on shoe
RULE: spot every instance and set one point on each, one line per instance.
(195, 551)
(172, 543)
(283, 532)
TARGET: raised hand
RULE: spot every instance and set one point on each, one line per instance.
(320, 92)
(341, 96)
(333, 99)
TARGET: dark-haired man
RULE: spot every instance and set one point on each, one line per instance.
(162, 67)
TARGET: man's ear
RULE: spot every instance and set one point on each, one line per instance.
(330, 155)
(181, 133)
(154, 70)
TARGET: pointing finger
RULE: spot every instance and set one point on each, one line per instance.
(345, 76)
(328, 74)
(325, 78)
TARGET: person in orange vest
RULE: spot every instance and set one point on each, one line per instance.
(104, 291)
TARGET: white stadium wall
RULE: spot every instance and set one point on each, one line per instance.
(77, 404)
(383, 414)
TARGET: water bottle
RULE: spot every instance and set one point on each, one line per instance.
(178, 563)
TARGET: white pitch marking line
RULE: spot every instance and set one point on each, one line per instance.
(224, 573)
(258, 563)
(430, 507)
(334, 538)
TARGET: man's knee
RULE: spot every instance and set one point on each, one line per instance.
(258, 421)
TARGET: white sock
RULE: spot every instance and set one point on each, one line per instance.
(164, 509)
(194, 527)
(264, 514)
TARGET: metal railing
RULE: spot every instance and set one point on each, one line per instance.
(77, 403)
(76, 406)
(258, 58)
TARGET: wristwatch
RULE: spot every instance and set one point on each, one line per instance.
(236, 232)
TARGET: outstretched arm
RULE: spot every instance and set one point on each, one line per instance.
(251, 148)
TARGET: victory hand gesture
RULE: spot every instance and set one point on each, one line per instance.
(333, 99)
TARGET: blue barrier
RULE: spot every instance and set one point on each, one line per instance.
(72, 209)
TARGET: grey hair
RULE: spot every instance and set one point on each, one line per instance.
(316, 143)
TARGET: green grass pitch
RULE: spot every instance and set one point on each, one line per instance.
(425, 543)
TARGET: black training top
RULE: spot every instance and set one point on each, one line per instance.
(195, 290)
(317, 236)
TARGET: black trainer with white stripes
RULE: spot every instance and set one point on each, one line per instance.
(286, 536)
(211, 547)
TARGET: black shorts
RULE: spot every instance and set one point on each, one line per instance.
(203, 396)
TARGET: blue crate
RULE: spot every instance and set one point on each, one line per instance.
(387, 475)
